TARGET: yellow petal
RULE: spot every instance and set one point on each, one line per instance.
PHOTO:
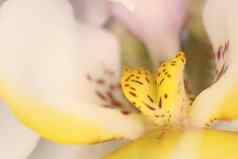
(178, 144)
(148, 147)
(56, 124)
(139, 87)
(171, 93)
(219, 102)
(160, 96)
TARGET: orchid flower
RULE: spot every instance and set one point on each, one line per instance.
(65, 87)
(202, 128)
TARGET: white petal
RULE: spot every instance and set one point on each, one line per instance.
(93, 12)
(48, 57)
(48, 150)
(157, 22)
(219, 102)
(17, 141)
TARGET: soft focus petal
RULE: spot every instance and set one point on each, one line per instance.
(17, 142)
(48, 150)
(220, 101)
(94, 12)
(55, 70)
(157, 22)
(154, 145)
(193, 144)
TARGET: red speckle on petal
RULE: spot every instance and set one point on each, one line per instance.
(227, 44)
(101, 95)
(125, 112)
(219, 53)
(116, 103)
(100, 81)
(110, 92)
(109, 106)
(89, 77)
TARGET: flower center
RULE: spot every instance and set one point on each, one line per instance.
(160, 96)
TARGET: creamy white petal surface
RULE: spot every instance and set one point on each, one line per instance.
(16, 141)
(94, 12)
(219, 102)
(49, 150)
(56, 70)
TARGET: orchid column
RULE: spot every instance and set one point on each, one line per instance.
(157, 22)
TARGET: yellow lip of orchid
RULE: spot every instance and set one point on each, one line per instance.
(161, 95)
(214, 105)
(184, 142)
(180, 144)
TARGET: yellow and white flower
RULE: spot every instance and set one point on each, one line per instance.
(210, 128)
(60, 77)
